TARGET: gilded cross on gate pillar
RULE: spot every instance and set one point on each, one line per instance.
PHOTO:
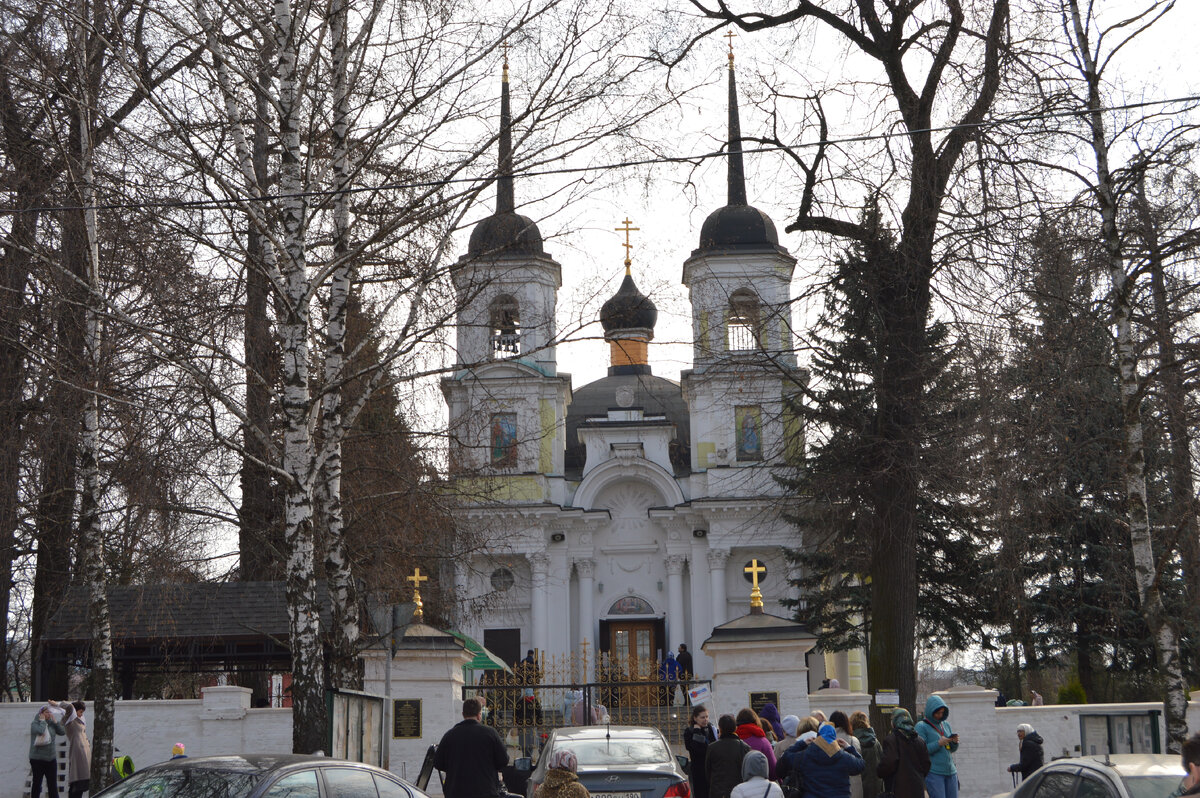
(755, 570)
(417, 578)
(627, 229)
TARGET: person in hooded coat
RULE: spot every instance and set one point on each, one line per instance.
(904, 760)
(790, 724)
(750, 730)
(941, 741)
(1032, 756)
(827, 764)
(723, 759)
(754, 779)
(561, 781)
(868, 747)
(770, 714)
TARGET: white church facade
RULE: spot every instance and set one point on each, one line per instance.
(622, 512)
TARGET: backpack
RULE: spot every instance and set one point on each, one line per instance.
(793, 784)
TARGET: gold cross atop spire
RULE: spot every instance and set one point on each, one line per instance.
(730, 37)
(504, 46)
(755, 570)
(627, 229)
(417, 579)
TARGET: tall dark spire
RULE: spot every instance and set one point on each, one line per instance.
(737, 171)
(504, 182)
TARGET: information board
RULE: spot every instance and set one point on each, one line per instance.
(406, 719)
(761, 699)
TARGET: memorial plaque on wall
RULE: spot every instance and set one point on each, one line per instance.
(760, 700)
(406, 719)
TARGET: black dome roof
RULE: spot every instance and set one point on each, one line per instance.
(738, 227)
(657, 396)
(629, 309)
(506, 234)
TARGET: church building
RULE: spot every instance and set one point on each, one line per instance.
(623, 513)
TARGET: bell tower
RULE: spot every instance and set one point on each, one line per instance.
(739, 284)
(506, 399)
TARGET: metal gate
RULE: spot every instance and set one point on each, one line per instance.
(526, 703)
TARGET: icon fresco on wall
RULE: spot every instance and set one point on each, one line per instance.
(504, 439)
(749, 432)
(630, 605)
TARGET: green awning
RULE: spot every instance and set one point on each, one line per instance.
(481, 658)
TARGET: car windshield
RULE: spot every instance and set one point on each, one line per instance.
(185, 783)
(618, 751)
(1150, 786)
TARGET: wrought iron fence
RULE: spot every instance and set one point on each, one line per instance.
(573, 689)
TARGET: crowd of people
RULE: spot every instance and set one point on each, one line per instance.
(763, 755)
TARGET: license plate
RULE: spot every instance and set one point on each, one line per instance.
(616, 795)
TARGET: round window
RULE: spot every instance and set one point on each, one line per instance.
(502, 579)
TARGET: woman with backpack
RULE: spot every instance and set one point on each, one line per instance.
(868, 746)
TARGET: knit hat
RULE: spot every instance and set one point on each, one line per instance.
(790, 723)
(828, 732)
(177, 749)
(564, 759)
(755, 764)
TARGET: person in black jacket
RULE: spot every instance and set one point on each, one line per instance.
(723, 759)
(904, 761)
(1032, 756)
(472, 756)
(699, 734)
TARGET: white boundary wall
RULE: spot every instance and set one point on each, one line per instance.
(219, 723)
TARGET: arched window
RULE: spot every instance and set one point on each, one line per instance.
(504, 319)
(742, 327)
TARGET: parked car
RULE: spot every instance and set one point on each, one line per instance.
(261, 776)
(1112, 776)
(617, 762)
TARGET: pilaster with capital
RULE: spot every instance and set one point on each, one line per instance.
(717, 559)
(676, 625)
(539, 566)
(585, 569)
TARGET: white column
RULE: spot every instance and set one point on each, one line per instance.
(701, 605)
(676, 629)
(465, 621)
(716, 571)
(586, 569)
(539, 564)
(558, 616)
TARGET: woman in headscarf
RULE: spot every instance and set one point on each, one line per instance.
(561, 781)
(80, 756)
(827, 764)
(905, 759)
(752, 734)
(754, 779)
(1032, 755)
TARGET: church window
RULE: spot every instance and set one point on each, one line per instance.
(504, 439)
(630, 605)
(743, 322)
(502, 580)
(748, 432)
(504, 319)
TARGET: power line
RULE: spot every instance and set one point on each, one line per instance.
(568, 170)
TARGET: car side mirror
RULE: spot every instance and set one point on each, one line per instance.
(685, 764)
(523, 764)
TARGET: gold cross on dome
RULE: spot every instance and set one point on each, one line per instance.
(627, 229)
(730, 37)
(755, 570)
(417, 578)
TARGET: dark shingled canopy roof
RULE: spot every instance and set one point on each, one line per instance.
(179, 611)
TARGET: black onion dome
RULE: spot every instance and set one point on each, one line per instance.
(738, 227)
(629, 309)
(506, 233)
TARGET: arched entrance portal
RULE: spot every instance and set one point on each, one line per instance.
(632, 638)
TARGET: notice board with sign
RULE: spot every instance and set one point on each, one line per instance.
(406, 719)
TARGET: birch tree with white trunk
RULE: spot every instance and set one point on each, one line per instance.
(1092, 48)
